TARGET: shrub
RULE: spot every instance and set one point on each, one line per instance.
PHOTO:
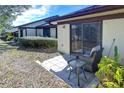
(38, 42)
(9, 36)
(111, 73)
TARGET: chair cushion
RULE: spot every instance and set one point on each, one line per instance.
(86, 54)
(97, 48)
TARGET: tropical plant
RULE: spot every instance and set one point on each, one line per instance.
(111, 73)
(9, 36)
(116, 54)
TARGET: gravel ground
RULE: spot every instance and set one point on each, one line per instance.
(19, 69)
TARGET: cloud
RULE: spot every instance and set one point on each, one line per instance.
(35, 13)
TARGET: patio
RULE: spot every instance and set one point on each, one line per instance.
(59, 66)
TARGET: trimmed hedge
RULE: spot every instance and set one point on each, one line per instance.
(44, 42)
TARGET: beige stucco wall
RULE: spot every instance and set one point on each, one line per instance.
(113, 29)
(64, 38)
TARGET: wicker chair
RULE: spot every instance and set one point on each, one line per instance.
(91, 62)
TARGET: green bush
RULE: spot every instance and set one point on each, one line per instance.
(111, 73)
(9, 36)
(38, 42)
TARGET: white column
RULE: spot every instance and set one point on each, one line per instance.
(18, 32)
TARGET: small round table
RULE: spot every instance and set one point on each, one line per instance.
(77, 64)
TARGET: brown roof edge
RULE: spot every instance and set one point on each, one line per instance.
(94, 19)
(103, 8)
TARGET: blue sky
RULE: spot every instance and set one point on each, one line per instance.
(42, 11)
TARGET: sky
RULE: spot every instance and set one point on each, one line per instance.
(38, 12)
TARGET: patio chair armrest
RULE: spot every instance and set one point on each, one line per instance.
(87, 59)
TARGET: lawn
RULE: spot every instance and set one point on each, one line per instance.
(19, 69)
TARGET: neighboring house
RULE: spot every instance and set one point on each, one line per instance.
(96, 25)
(41, 28)
(14, 31)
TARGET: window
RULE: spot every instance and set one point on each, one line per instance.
(46, 32)
(21, 32)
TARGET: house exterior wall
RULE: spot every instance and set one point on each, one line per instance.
(53, 32)
(39, 32)
(31, 32)
(113, 29)
(24, 33)
(64, 38)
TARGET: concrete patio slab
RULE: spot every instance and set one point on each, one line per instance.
(59, 66)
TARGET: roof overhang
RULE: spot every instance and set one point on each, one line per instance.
(39, 22)
(12, 30)
(105, 13)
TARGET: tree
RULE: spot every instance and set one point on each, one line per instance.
(8, 14)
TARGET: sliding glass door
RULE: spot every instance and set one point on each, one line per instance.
(85, 36)
(91, 35)
(76, 37)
